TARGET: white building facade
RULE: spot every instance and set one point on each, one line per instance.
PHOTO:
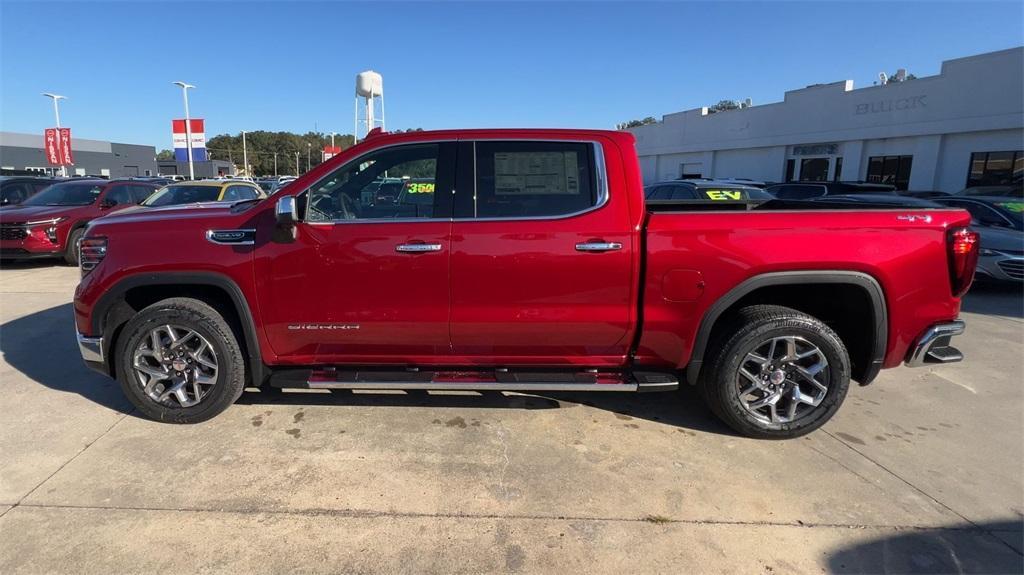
(962, 127)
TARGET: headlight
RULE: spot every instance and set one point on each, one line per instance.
(91, 252)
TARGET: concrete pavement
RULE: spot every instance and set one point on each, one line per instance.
(919, 472)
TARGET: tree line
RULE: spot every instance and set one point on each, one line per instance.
(261, 147)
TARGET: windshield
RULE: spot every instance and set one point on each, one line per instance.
(66, 194)
(1012, 210)
(173, 195)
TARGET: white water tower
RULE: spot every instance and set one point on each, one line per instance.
(370, 89)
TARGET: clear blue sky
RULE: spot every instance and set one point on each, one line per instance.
(292, 65)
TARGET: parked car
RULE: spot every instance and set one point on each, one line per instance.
(806, 190)
(876, 200)
(1015, 191)
(49, 223)
(538, 269)
(16, 189)
(706, 190)
(204, 191)
(1000, 222)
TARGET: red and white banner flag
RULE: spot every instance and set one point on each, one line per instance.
(52, 146)
(65, 147)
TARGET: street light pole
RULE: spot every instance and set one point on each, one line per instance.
(296, 163)
(56, 113)
(188, 129)
(275, 164)
(245, 156)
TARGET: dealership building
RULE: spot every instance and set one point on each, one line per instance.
(962, 127)
(21, 153)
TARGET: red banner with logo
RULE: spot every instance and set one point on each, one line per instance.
(52, 146)
(65, 147)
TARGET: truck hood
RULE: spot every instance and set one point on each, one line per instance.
(21, 214)
(204, 210)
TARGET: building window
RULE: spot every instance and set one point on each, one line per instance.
(996, 168)
(790, 168)
(892, 170)
(814, 170)
(837, 175)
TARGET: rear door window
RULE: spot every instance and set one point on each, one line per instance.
(532, 179)
(120, 194)
(140, 193)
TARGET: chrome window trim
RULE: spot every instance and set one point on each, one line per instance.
(601, 173)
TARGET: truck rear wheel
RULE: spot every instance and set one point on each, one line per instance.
(178, 361)
(776, 373)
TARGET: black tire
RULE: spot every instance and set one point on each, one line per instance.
(71, 249)
(752, 330)
(190, 314)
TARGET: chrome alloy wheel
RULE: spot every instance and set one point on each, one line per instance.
(782, 379)
(175, 366)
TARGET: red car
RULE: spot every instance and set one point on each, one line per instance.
(50, 223)
(536, 265)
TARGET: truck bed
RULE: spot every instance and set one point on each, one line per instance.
(696, 258)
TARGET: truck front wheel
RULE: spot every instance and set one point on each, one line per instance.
(178, 361)
(776, 373)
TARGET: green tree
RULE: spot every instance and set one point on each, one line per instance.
(635, 123)
(163, 155)
(261, 147)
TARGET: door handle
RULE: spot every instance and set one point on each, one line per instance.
(417, 248)
(598, 246)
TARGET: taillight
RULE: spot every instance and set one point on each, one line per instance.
(91, 252)
(963, 258)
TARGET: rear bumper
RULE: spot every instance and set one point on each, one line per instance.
(933, 346)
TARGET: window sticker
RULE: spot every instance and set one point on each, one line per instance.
(724, 195)
(1016, 207)
(536, 173)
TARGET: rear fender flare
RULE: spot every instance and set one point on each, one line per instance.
(866, 282)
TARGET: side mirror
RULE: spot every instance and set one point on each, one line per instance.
(285, 212)
(286, 215)
(107, 203)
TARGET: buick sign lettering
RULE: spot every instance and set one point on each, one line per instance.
(890, 105)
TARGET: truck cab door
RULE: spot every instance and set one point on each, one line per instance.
(542, 256)
(366, 279)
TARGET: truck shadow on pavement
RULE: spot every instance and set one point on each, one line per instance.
(993, 547)
(42, 346)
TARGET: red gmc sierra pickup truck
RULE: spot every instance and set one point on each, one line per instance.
(521, 260)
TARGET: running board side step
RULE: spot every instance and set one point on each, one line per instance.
(475, 380)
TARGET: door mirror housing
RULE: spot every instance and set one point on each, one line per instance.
(286, 213)
(107, 203)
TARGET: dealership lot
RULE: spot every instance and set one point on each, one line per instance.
(919, 472)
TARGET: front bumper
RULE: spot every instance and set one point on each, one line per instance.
(91, 349)
(933, 346)
(1001, 266)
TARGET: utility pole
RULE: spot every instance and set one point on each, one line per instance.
(56, 113)
(275, 164)
(296, 163)
(245, 156)
(188, 129)
(309, 149)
